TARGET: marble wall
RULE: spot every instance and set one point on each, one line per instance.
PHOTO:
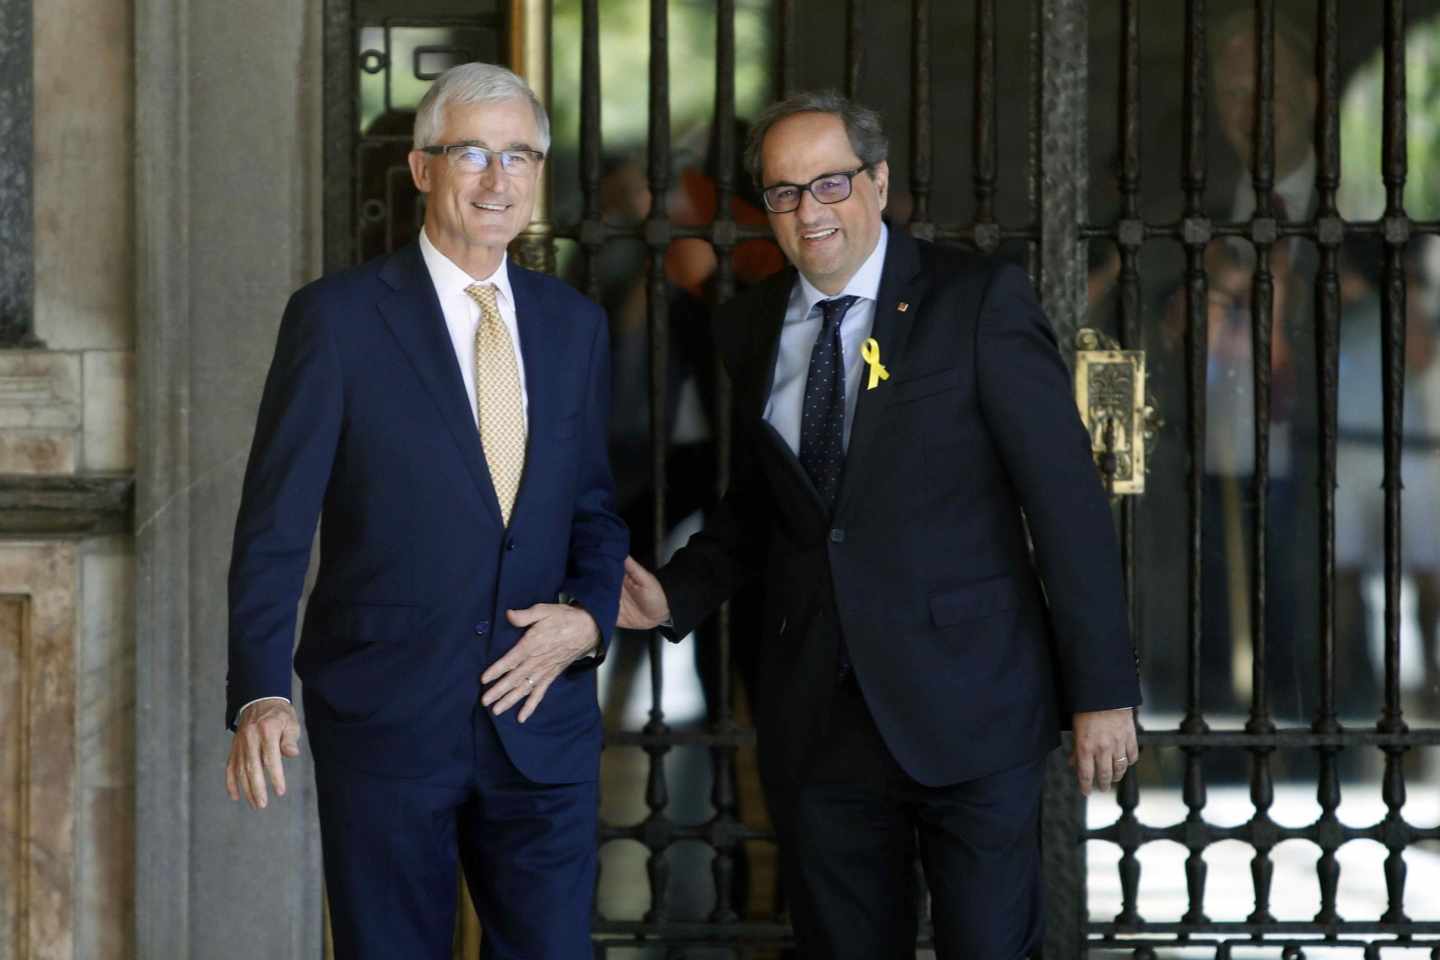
(104, 798)
(66, 607)
(84, 250)
(66, 705)
(38, 603)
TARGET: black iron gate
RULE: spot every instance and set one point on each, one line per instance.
(1026, 90)
(1261, 738)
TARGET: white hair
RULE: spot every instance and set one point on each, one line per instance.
(475, 83)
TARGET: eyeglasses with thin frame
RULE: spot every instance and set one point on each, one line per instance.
(473, 158)
(826, 188)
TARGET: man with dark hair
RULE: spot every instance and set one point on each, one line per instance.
(904, 429)
(446, 411)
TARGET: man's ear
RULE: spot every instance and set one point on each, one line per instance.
(881, 175)
(420, 170)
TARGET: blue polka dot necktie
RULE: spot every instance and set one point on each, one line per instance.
(822, 419)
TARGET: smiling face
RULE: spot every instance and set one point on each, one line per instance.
(827, 242)
(472, 217)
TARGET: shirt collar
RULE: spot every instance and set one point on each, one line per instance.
(450, 281)
(1296, 188)
(865, 284)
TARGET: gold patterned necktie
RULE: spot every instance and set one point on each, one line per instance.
(498, 399)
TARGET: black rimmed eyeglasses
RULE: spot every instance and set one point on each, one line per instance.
(473, 158)
(826, 188)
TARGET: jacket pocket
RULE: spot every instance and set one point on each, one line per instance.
(974, 601)
(365, 623)
(926, 384)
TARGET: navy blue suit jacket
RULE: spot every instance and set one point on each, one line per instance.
(365, 423)
(972, 648)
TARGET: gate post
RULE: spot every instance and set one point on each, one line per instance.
(1062, 859)
(1062, 182)
(17, 200)
(1063, 172)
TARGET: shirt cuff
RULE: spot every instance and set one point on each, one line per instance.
(241, 712)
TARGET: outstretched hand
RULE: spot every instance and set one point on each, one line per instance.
(643, 605)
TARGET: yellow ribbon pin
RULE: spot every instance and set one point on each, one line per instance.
(870, 353)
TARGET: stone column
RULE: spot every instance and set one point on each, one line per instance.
(227, 196)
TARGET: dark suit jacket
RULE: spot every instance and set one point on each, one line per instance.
(365, 421)
(970, 649)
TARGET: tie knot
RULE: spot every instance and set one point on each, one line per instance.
(833, 311)
(483, 294)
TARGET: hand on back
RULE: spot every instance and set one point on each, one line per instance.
(643, 605)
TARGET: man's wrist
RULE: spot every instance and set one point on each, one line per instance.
(239, 714)
(593, 650)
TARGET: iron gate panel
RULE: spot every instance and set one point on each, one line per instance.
(1037, 211)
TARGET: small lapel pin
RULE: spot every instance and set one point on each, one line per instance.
(902, 306)
(870, 353)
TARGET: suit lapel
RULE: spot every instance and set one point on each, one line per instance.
(772, 307)
(901, 281)
(413, 314)
(530, 320)
(766, 352)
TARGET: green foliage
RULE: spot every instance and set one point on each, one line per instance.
(1362, 188)
(625, 68)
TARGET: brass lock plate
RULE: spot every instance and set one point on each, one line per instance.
(1110, 392)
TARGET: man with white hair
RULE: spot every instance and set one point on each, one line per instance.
(442, 412)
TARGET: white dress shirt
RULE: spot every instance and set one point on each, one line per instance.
(462, 315)
(462, 319)
(797, 341)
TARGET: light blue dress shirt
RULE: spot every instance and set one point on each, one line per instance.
(797, 341)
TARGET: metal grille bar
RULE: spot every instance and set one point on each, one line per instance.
(1197, 235)
(854, 46)
(986, 232)
(727, 832)
(786, 60)
(592, 229)
(1392, 360)
(657, 237)
(1262, 790)
(1130, 239)
(967, 234)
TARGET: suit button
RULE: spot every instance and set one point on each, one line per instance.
(510, 544)
(482, 628)
(837, 535)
